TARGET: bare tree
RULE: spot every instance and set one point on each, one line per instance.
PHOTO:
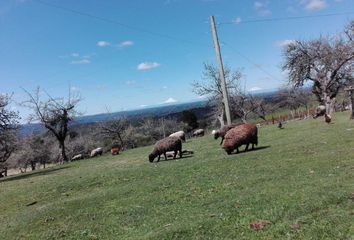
(8, 128)
(54, 114)
(326, 62)
(114, 129)
(210, 86)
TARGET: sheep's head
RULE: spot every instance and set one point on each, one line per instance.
(152, 157)
(216, 134)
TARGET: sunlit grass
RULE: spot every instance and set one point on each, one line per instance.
(300, 179)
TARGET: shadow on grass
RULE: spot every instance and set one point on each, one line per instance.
(251, 150)
(173, 159)
(40, 172)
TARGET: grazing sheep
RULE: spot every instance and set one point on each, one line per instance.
(165, 145)
(240, 135)
(328, 118)
(320, 111)
(179, 134)
(77, 157)
(96, 152)
(198, 133)
(223, 130)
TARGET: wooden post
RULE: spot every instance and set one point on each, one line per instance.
(221, 71)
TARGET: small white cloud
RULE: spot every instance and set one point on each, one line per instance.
(237, 20)
(283, 43)
(261, 8)
(103, 44)
(130, 82)
(164, 87)
(81, 61)
(75, 55)
(170, 100)
(143, 106)
(126, 44)
(147, 65)
(314, 5)
(253, 89)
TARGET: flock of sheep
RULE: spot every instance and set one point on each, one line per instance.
(232, 137)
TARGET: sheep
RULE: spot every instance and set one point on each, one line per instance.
(179, 134)
(328, 118)
(240, 135)
(165, 145)
(320, 111)
(223, 130)
(77, 157)
(96, 152)
(198, 133)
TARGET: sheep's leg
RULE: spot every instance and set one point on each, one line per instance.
(180, 153)
(247, 147)
(252, 146)
(237, 151)
(175, 154)
(158, 159)
(165, 155)
(222, 139)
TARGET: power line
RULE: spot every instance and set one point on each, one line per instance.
(103, 19)
(277, 19)
(250, 61)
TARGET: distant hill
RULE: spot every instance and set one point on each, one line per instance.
(153, 112)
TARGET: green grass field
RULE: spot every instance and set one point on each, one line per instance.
(301, 179)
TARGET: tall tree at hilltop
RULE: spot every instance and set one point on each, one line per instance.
(327, 62)
(54, 114)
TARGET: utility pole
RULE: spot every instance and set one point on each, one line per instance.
(221, 71)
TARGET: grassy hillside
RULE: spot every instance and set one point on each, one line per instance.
(301, 179)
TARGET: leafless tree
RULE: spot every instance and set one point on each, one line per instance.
(210, 86)
(328, 62)
(114, 129)
(54, 114)
(8, 128)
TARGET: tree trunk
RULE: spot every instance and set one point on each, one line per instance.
(63, 153)
(352, 103)
(221, 118)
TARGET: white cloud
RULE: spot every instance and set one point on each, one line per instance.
(314, 5)
(253, 89)
(237, 20)
(283, 43)
(103, 44)
(130, 82)
(143, 105)
(75, 55)
(126, 44)
(81, 61)
(261, 8)
(147, 65)
(164, 87)
(170, 100)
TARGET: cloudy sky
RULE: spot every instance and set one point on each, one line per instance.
(129, 54)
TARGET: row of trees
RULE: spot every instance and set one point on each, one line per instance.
(327, 62)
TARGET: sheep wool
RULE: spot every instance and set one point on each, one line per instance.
(165, 145)
(240, 135)
(179, 134)
(223, 130)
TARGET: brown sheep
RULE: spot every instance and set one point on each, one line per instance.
(165, 145)
(223, 130)
(240, 135)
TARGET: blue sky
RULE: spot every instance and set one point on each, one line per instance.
(129, 54)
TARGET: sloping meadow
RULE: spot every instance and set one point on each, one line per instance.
(299, 181)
